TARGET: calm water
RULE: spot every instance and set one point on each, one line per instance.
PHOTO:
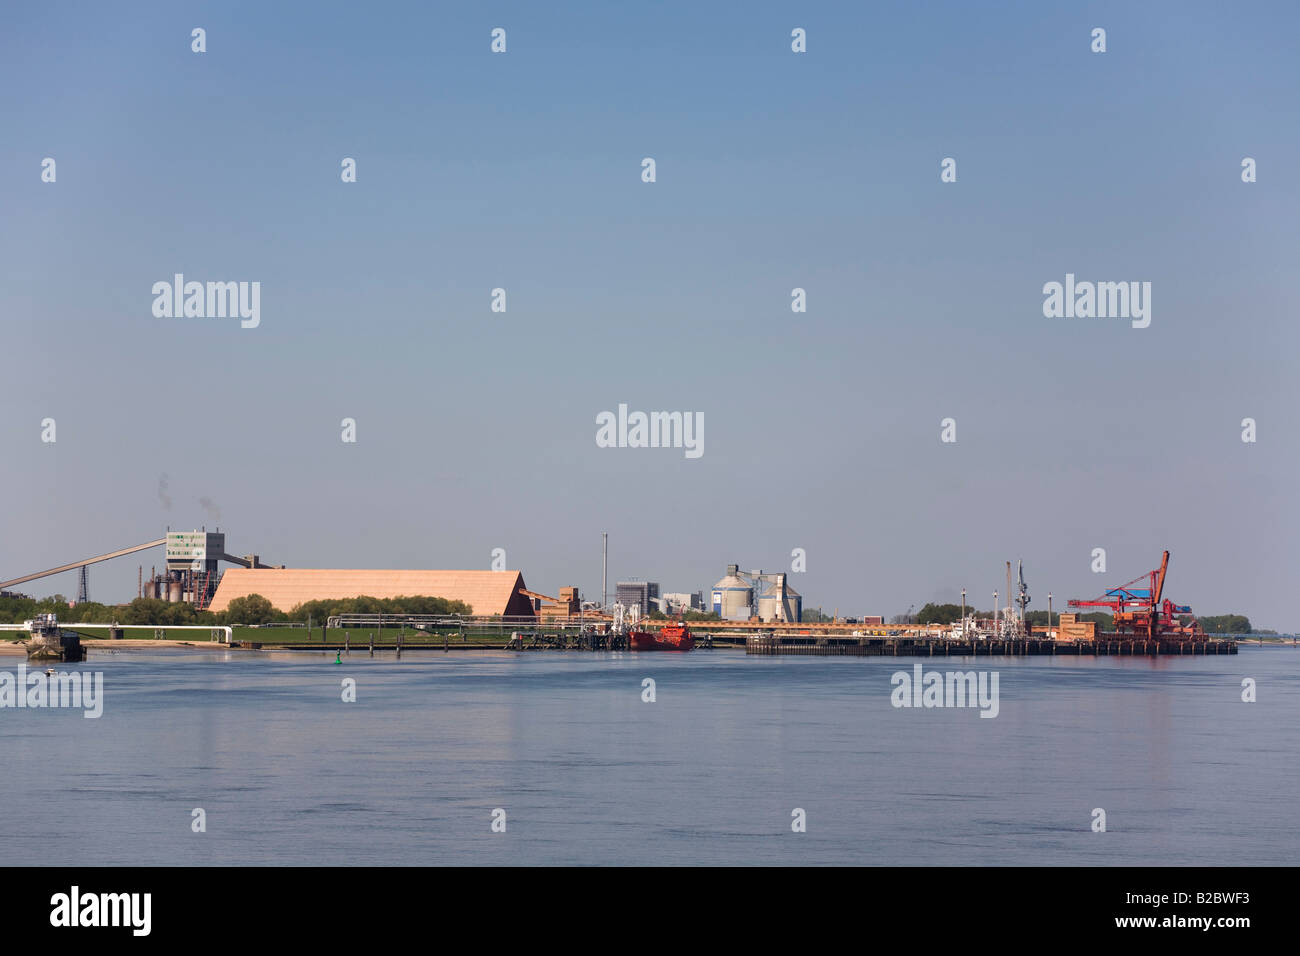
(709, 773)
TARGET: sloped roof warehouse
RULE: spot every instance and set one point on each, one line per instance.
(486, 592)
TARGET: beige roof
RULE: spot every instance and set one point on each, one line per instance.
(486, 592)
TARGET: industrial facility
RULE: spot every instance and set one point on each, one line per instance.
(190, 572)
(734, 597)
(678, 602)
(744, 601)
(1144, 612)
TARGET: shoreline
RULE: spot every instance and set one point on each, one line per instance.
(19, 648)
(10, 648)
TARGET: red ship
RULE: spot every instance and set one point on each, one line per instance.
(671, 637)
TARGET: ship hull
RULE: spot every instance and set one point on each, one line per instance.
(649, 641)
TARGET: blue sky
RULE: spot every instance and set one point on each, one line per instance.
(775, 170)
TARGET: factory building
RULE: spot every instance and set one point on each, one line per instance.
(677, 601)
(192, 571)
(486, 592)
(644, 594)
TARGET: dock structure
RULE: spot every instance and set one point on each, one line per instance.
(60, 646)
(834, 646)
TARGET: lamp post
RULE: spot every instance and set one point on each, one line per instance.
(963, 613)
(1049, 614)
(995, 612)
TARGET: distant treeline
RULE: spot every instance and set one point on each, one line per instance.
(1211, 623)
(1226, 624)
(253, 609)
(320, 610)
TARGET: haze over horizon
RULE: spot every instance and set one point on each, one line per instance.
(476, 429)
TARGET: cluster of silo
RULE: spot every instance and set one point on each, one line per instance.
(168, 586)
(733, 596)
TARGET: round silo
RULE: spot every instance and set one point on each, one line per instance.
(780, 603)
(733, 598)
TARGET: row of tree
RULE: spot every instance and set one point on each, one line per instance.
(253, 609)
(320, 610)
(1226, 624)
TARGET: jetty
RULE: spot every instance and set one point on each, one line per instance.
(900, 646)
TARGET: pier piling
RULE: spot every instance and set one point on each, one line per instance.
(770, 644)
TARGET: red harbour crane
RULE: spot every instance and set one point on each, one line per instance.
(1144, 611)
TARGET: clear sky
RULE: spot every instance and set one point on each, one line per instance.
(775, 170)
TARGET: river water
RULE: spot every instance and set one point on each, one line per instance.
(710, 772)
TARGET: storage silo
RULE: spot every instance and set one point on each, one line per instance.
(794, 604)
(733, 598)
(779, 601)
